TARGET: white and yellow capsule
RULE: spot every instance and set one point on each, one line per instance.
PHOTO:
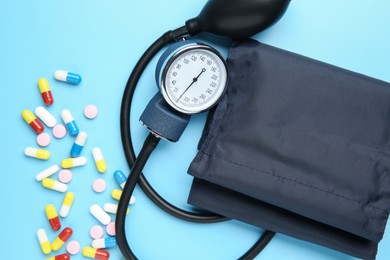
(112, 208)
(99, 160)
(116, 194)
(44, 241)
(54, 185)
(67, 204)
(73, 162)
(37, 153)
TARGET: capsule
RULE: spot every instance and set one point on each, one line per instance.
(44, 241)
(52, 216)
(60, 257)
(47, 173)
(99, 160)
(37, 153)
(34, 123)
(100, 214)
(112, 208)
(45, 91)
(54, 185)
(78, 144)
(70, 122)
(61, 239)
(68, 77)
(116, 194)
(73, 162)
(67, 204)
(95, 253)
(107, 242)
(120, 178)
(44, 115)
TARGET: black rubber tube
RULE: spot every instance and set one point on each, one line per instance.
(128, 94)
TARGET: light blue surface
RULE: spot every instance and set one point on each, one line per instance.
(102, 40)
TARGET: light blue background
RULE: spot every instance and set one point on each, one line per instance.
(102, 40)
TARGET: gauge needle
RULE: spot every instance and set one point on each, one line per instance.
(193, 81)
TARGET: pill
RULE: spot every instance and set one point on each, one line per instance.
(116, 194)
(47, 173)
(54, 185)
(68, 77)
(37, 153)
(112, 208)
(120, 178)
(52, 216)
(65, 176)
(90, 111)
(44, 241)
(45, 116)
(60, 257)
(99, 160)
(95, 253)
(100, 214)
(73, 247)
(110, 229)
(107, 242)
(78, 144)
(96, 232)
(99, 185)
(70, 122)
(34, 122)
(61, 239)
(43, 139)
(74, 162)
(66, 204)
(44, 88)
(59, 131)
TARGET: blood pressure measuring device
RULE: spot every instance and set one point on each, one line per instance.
(192, 78)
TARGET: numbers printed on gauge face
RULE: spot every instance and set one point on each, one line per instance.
(195, 80)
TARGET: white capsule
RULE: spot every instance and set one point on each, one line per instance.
(100, 214)
(45, 116)
(47, 173)
(54, 185)
(66, 204)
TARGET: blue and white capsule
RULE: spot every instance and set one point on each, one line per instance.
(68, 77)
(70, 122)
(120, 178)
(107, 242)
(78, 144)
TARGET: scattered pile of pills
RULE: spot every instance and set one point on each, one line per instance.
(37, 122)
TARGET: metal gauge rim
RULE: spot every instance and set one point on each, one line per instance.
(168, 65)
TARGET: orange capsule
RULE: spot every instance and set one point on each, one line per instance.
(34, 122)
(45, 91)
(52, 216)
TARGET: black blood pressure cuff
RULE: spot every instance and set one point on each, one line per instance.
(299, 147)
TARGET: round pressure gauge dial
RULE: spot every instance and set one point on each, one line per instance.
(194, 78)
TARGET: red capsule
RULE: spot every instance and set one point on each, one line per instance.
(52, 216)
(60, 257)
(45, 91)
(61, 239)
(34, 122)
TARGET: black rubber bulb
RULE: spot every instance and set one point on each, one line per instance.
(237, 19)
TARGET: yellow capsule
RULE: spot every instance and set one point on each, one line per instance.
(54, 185)
(52, 216)
(28, 116)
(73, 162)
(116, 194)
(43, 241)
(61, 239)
(99, 160)
(32, 121)
(66, 204)
(37, 153)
